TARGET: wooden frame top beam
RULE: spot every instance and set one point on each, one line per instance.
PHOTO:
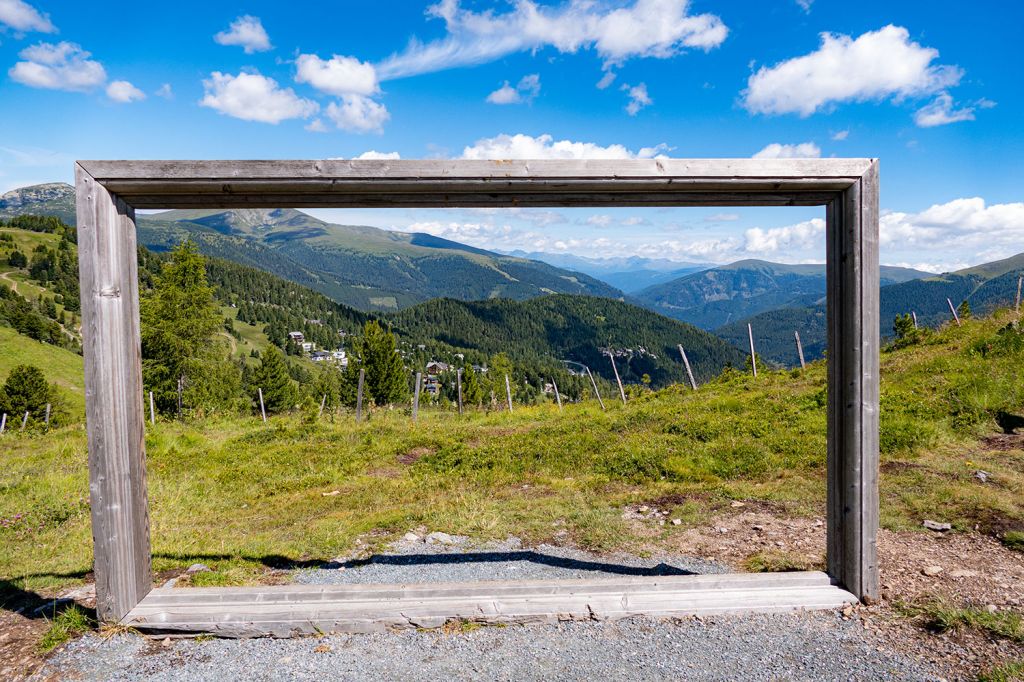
(467, 183)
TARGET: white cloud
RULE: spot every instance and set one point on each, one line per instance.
(124, 92)
(338, 75)
(804, 150)
(607, 79)
(316, 126)
(248, 33)
(525, 91)
(22, 16)
(602, 220)
(805, 5)
(252, 97)
(522, 146)
(384, 156)
(358, 114)
(647, 28)
(801, 237)
(638, 98)
(875, 66)
(840, 135)
(960, 227)
(165, 91)
(58, 66)
(722, 218)
(941, 111)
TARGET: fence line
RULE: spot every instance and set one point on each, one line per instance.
(416, 397)
(622, 393)
(800, 350)
(753, 357)
(953, 310)
(458, 387)
(558, 396)
(3, 422)
(359, 395)
(686, 363)
(24, 420)
(508, 393)
(263, 411)
(152, 413)
(594, 384)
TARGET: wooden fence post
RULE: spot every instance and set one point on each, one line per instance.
(953, 310)
(1016, 307)
(179, 398)
(594, 384)
(24, 420)
(508, 393)
(46, 420)
(458, 387)
(3, 422)
(753, 356)
(323, 401)
(800, 350)
(359, 395)
(913, 314)
(558, 396)
(686, 364)
(622, 393)
(263, 411)
(152, 412)
(416, 397)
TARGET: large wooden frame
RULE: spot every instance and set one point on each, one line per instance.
(108, 192)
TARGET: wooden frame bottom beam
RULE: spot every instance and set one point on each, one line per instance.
(285, 611)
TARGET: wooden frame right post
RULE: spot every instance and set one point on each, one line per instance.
(852, 274)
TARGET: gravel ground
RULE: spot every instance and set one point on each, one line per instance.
(801, 646)
(458, 560)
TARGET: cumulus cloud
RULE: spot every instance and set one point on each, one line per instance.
(358, 114)
(338, 75)
(23, 17)
(252, 97)
(805, 5)
(962, 226)
(840, 135)
(58, 66)
(805, 236)
(522, 146)
(607, 79)
(803, 150)
(384, 156)
(638, 98)
(875, 66)
(316, 126)
(942, 111)
(165, 91)
(525, 91)
(246, 32)
(647, 28)
(124, 92)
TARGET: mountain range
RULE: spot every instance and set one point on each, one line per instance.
(628, 273)
(717, 296)
(365, 267)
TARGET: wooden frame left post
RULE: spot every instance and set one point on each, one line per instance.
(115, 417)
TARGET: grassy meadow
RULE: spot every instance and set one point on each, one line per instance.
(240, 495)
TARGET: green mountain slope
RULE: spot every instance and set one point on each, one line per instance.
(985, 287)
(59, 365)
(715, 297)
(365, 267)
(577, 328)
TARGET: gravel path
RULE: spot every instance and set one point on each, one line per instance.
(818, 646)
(793, 646)
(457, 560)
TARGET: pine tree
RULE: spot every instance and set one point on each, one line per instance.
(386, 380)
(472, 389)
(180, 322)
(271, 376)
(24, 391)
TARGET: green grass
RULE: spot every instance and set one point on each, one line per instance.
(1012, 671)
(59, 365)
(941, 616)
(66, 625)
(244, 497)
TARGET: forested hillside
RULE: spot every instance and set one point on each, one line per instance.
(716, 297)
(983, 288)
(579, 328)
(364, 267)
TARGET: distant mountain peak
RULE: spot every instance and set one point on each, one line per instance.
(35, 194)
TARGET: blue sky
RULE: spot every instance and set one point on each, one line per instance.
(931, 88)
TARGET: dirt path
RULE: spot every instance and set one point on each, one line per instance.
(14, 283)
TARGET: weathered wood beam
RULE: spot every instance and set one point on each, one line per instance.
(115, 418)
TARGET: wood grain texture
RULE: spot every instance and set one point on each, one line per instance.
(686, 364)
(852, 274)
(115, 418)
(306, 609)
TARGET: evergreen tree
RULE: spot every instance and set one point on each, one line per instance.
(17, 259)
(903, 326)
(386, 380)
(279, 393)
(472, 389)
(180, 322)
(964, 309)
(24, 391)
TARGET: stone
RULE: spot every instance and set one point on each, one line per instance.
(198, 568)
(757, 528)
(736, 504)
(931, 570)
(440, 538)
(723, 530)
(332, 493)
(936, 525)
(85, 593)
(677, 522)
(167, 641)
(963, 573)
(644, 509)
(991, 608)
(982, 475)
(412, 537)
